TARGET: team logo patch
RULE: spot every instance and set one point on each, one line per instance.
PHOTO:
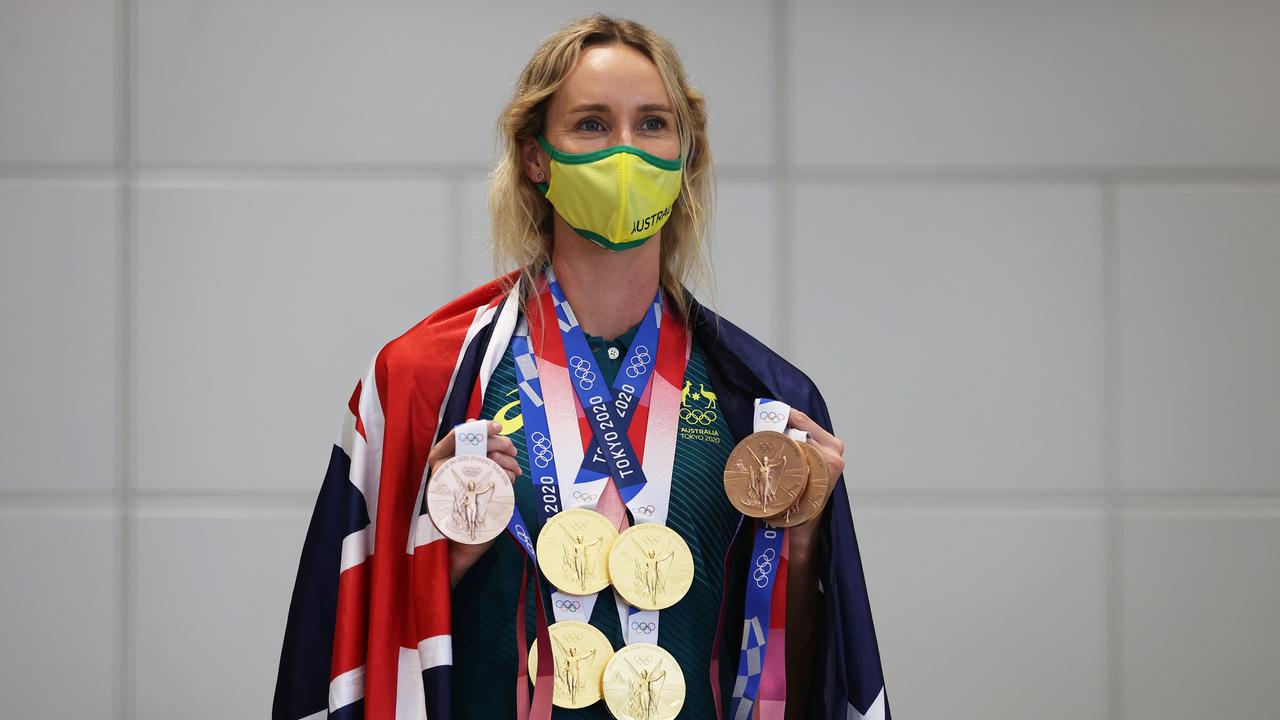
(699, 411)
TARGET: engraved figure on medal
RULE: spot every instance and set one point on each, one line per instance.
(650, 577)
(576, 558)
(468, 516)
(646, 688)
(569, 669)
(762, 490)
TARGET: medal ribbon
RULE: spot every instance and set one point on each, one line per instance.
(614, 441)
(471, 438)
(609, 421)
(762, 657)
(546, 483)
(646, 494)
(593, 471)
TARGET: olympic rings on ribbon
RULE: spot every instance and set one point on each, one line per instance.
(639, 362)
(541, 449)
(646, 510)
(644, 627)
(582, 371)
(583, 496)
(469, 438)
(570, 605)
(764, 567)
(698, 416)
(770, 416)
(523, 535)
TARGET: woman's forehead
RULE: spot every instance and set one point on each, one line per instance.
(617, 76)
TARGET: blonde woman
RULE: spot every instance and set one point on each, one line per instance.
(583, 359)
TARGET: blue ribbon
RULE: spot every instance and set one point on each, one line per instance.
(766, 555)
(537, 433)
(609, 420)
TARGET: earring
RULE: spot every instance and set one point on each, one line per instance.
(539, 177)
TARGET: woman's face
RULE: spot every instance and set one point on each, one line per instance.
(613, 96)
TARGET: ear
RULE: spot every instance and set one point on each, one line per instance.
(537, 164)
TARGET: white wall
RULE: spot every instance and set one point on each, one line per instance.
(1030, 252)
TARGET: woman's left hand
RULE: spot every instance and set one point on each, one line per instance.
(832, 449)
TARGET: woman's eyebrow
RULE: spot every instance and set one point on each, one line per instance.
(601, 107)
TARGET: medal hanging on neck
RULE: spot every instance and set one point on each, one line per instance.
(578, 427)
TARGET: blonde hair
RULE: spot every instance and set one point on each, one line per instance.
(521, 217)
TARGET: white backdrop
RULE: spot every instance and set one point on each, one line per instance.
(1029, 251)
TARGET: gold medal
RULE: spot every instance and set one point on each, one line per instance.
(766, 474)
(815, 494)
(643, 682)
(651, 566)
(573, 548)
(469, 499)
(579, 653)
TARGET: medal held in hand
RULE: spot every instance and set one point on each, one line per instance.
(572, 549)
(643, 682)
(469, 498)
(816, 492)
(651, 566)
(579, 654)
(766, 474)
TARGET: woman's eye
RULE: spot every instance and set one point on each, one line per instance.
(660, 123)
(590, 121)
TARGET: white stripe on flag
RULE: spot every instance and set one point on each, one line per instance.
(355, 548)
(501, 337)
(436, 651)
(411, 699)
(365, 452)
(346, 689)
(875, 712)
(425, 531)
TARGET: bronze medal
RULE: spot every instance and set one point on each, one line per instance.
(815, 495)
(469, 499)
(766, 474)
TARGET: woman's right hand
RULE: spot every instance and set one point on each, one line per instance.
(500, 450)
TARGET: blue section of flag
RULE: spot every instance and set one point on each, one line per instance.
(302, 685)
(847, 670)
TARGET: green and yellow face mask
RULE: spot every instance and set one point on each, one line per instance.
(617, 197)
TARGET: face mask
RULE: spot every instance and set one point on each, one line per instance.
(617, 197)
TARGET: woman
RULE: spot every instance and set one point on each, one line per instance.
(602, 200)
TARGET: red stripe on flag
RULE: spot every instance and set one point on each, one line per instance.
(354, 404)
(430, 596)
(413, 372)
(351, 628)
